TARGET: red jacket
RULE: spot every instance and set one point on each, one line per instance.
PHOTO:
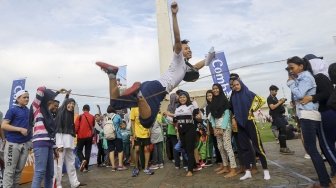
(84, 125)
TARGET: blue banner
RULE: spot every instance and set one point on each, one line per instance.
(16, 86)
(220, 72)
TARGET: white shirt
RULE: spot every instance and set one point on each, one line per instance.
(175, 73)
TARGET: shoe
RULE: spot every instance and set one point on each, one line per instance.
(86, 170)
(306, 156)
(154, 167)
(121, 168)
(208, 163)
(161, 165)
(198, 168)
(202, 164)
(246, 176)
(114, 169)
(177, 167)
(286, 151)
(148, 171)
(109, 69)
(81, 184)
(82, 166)
(132, 90)
(267, 175)
(135, 172)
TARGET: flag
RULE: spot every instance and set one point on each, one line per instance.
(220, 72)
(16, 86)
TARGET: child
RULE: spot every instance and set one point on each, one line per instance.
(157, 140)
(125, 134)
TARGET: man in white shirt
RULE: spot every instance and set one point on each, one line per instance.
(148, 95)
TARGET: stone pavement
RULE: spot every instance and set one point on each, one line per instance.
(286, 171)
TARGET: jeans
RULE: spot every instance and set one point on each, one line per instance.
(44, 167)
(170, 143)
(177, 152)
(158, 153)
(329, 130)
(280, 122)
(126, 150)
(310, 129)
(101, 154)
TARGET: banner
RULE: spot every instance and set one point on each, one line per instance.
(16, 86)
(220, 72)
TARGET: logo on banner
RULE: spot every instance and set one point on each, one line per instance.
(220, 72)
(16, 86)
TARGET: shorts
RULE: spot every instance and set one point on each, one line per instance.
(153, 92)
(142, 142)
(115, 145)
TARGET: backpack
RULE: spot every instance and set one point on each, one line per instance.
(109, 129)
(332, 99)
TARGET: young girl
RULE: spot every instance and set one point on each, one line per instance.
(186, 128)
(221, 121)
(301, 82)
(244, 103)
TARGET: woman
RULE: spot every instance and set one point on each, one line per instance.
(302, 83)
(43, 136)
(212, 140)
(65, 134)
(221, 121)
(244, 103)
(186, 128)
(324, 88)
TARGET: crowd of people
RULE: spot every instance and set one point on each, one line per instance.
(225, 128)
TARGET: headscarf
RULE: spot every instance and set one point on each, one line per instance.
(219, 103)
(319, 66)
(241, 103)
(207, 109)
(65, 119)
(172, 103)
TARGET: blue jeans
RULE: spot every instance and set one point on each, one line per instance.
(311, 129)
(44, 167)
(178, 150)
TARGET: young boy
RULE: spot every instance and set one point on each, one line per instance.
(18, 136)
(125, 134)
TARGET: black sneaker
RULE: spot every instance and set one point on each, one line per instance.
(208, 163)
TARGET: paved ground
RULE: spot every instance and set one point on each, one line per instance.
(286, 171)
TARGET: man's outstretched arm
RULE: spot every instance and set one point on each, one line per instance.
(176, 30)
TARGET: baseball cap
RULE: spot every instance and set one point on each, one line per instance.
(19, 93)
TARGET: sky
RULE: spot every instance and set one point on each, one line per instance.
(56, 43)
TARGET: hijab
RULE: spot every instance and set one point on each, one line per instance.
(173, 103)
(219, 103)
(207, 108)
(241, 103)
(319, 66)
(65, 119)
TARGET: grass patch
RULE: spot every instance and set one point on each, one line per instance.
(265, 132)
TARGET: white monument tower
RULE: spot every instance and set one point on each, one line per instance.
(164, 34)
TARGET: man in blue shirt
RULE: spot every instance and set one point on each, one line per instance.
(18, 136)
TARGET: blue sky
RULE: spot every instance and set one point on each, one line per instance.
(55, 43)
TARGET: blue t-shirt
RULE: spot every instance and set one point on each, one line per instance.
(18, 116)
(125, 135)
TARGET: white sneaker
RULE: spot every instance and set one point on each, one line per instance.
(267, 175)
(306, 156)
(246, 176)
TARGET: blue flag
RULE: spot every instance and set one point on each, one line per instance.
(220, 72)
(16, 86)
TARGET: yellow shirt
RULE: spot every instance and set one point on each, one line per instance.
(139, 130)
